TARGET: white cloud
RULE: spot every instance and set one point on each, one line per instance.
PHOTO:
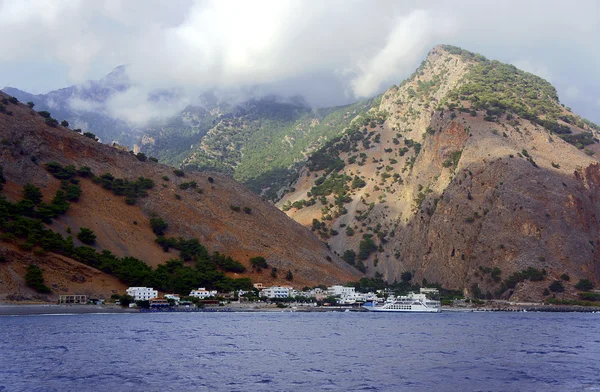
(531, 66)
(404, 47)
(572, 92)
(134, 106)
(341, 48)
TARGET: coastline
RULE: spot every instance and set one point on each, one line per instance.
(74, 309)
(50, 309)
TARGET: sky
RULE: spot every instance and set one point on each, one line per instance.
(331, 52)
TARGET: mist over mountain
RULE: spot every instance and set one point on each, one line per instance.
(252, 50)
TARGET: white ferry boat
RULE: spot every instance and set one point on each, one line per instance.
(406, 303)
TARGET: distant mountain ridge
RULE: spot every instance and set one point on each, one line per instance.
(82, 104)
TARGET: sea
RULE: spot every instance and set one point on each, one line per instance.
(296, 351)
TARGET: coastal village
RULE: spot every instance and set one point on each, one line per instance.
(343, 295)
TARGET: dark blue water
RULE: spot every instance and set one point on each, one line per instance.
(301, 352)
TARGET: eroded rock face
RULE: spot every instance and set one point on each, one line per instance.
(477, 191)
(27, 144)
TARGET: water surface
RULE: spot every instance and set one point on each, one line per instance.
(301, 352)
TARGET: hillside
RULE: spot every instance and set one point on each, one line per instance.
(115, 194)
(466, 174)
(261, 142)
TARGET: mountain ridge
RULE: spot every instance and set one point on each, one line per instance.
(429, 189)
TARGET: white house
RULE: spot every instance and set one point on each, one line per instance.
(142, 293)
(353, 297)
(276, 292)
(202, 293)
(174, 297)
(334, 291)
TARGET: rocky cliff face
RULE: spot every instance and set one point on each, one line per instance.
(222, 214)
(467, 166)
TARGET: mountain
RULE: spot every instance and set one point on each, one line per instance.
(260, 142)
(152, 224)
(84, 105)
(470, 174)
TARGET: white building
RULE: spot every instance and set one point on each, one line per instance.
(142, 293)
(352, 298)
(174, 297)
(276, 292)
(334, 291)
(202, 293)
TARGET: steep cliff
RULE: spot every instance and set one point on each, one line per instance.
(467, 166)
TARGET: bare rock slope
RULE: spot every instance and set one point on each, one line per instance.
(467, 166)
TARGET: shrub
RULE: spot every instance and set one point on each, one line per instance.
(30, 104)
(178, 172)
(32, 193)
(86, 236)
(590, 296)
(85, 171)
(158, 225)
(247, 210)
(60, 172)
(141, 156)
(51, 122)
(73, 192)
(64, 123)
(556, 287)
(406, 276)
(235, 208)
(34, 278)
(44, 113)
(90, 136)
(565, 277)
(349, 256)
(165, 178)
(546, 292)
(289, 276)
(258, 263)
(358, 182)
(584, 285)
(187, 185)
(227, 263)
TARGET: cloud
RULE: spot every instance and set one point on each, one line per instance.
(134, 106)
(332, 51)
(404, 46)
(531, 66)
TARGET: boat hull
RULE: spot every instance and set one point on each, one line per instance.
(382, 309)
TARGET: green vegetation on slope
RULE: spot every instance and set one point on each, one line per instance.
(502, 89)
(23, 223)
(260, 143)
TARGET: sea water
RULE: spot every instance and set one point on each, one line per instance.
(301, 352)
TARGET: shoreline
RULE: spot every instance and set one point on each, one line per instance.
(75, 309)
(54, 309)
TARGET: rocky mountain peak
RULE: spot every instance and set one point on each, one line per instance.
(451, 174)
